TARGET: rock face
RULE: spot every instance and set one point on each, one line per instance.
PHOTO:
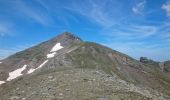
(67, 68)
(144, 59)
(148, 61)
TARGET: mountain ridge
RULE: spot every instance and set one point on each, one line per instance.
(71, 58)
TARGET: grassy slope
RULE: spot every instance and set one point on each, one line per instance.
(94, 56)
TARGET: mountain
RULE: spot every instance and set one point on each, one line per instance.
(34, 56)
(68, 68)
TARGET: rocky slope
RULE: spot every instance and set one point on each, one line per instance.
(65, 68)
(167, 66)
(164, 66)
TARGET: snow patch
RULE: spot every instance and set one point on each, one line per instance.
(2, 82)
(43, 63)
(0, 62)
(32, 70)
(56, 47)
(16, 73)
(51, 55)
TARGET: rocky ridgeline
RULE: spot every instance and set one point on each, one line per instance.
(67, 68)
(164, 66)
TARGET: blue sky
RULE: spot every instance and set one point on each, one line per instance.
(134, 27)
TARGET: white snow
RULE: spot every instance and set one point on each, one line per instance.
(43, 63)
(16, 73)
(56, 47)
(2, 82)
(32, 70)
(51, 55)
(0, 62)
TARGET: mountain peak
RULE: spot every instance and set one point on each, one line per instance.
(68, 35)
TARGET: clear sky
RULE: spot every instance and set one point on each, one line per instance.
(134, 27)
